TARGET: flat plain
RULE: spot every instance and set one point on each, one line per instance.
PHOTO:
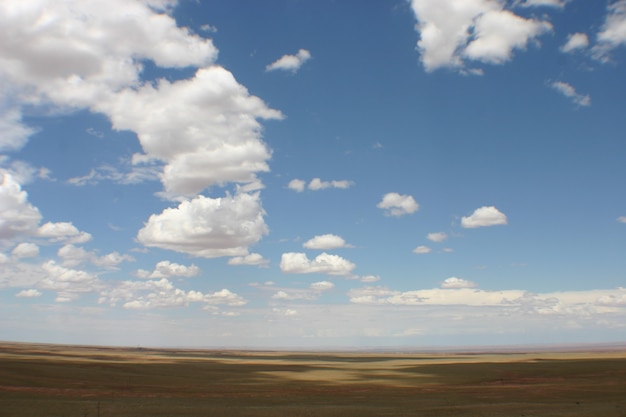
(38, 380)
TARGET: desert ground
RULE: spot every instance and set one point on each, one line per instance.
(66, 381)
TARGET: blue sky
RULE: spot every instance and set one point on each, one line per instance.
(313, 174)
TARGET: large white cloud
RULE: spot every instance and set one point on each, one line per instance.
(484, 216)
(298, 263)
(326, 242)
(88, 54)
(397, 205)
(17, 215)
(206, 121)
(483, 30)
(208, 227)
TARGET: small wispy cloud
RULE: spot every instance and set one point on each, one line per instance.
(570, 92)
(290, 63)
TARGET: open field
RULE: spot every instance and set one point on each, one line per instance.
(68, 381)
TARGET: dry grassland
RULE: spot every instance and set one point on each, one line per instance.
(68, 381)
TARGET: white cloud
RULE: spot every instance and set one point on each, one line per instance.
(68, 283)
(317, 184)
(322, 286)
(91, 58)
(482, 30)
(454, 282)
(254, 259)
(206, 121)
(369, 278)
(166, 269)
(73, 256)
(326, 242)
(290, 62)
(570, 92)
(142, 295)
(437, 237)
(613, 32)
(13, 133)
(621, 219)
(296, 185)
(28, 293)
(63, 232)
(397, 205)
(550, 3)
(314, 291)
(420, 250)
(298, 263)
(208, 227)
(25, 250)
(17, 215)
(575, 42)
(483, 217)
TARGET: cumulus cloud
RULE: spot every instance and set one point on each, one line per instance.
(570, 92)
(437, 237)
(550, 3)
(17, 215)
(166, 269)
(296, 185)
(621, 219)
(575, 42)
(613, 32)
(142, 295)
(420, 250)
(452, 31)
(326, 242)
(454, 282)
(322, 286)
(209, 120)
(208, 227)
(397, 205)
(91, 57)
(298, 263)
(317, 184)
(314, 291)
(290, 63)
(483, 217)
(68, 283)
(63, 232)
(74, 255)
(13, 133)
(31, 293)
(25, 250)
(254, 259)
